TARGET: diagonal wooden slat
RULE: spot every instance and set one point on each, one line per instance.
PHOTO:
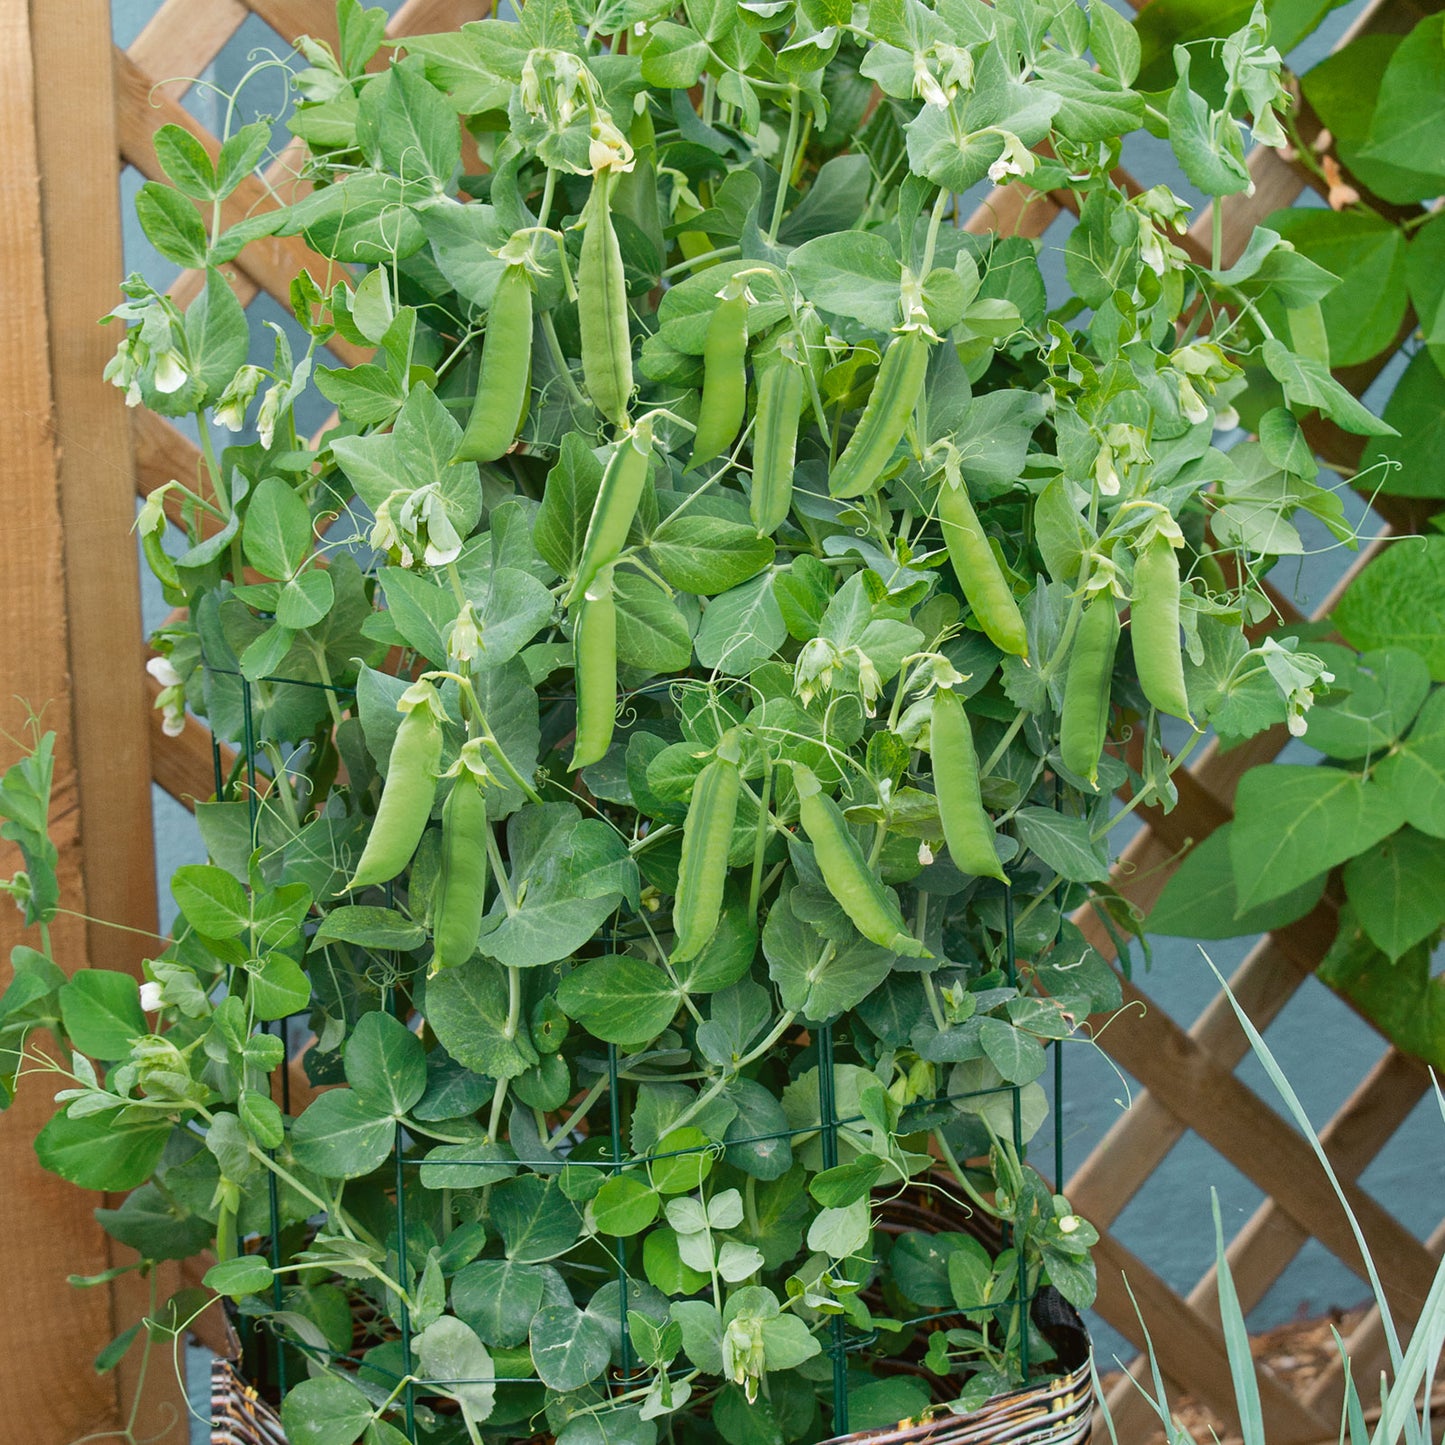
(184, 36)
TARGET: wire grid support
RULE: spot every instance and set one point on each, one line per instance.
(840, 1343)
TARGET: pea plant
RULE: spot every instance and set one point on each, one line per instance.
(681, 693)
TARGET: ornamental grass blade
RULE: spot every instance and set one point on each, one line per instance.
(1296, 1109)
(1236, 1339)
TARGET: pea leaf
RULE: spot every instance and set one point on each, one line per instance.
(1380, 693)
(651, 633)
(457, 1364)
(1408, 465)
(850, 273)
(171, 224)
(112, 1149)
(1063, 843)
(1408, 128)
(213, 901)
(498, 1298)
(243, 1275)
(536, 1220)
(383, 929)
(101, 1012)
(618, 999)
(741, 628)
(342, 1136)
(1367, 252)
(707, 555)
(385, 1064)
(1393, 889)
(468, 1008)
(1293, 823)
(816, 977)
(325, 1410)
(567, 875)
(625, 1205)
(1199, 900)
(1398, 600)
(1414, 773)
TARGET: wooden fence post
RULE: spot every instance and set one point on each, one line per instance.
(70, 649)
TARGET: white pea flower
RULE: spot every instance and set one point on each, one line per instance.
(1017, 159)
(150, 997)
(170, 373)
(230, 408)
(164, 672)
(1190, 402)
(464, 641)
(1106, 478)
(269, 413)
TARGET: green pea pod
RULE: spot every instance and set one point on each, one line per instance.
(602, 309)
(967, 827)
(870, 906)
(978, 571)
(706, 837)
(409, 791)
(775, 442)
(724, 382)
(1154, 621)
(594, 642)
(895, 394)
(1085, 724)
(504, 385)
(616, 505)
(462, 885)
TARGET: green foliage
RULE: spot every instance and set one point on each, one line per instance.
(767, 856)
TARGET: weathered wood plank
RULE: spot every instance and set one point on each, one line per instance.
(49, 1231)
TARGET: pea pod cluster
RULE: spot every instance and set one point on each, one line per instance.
(1085, 724)
(978, 571)
(871, 908)
(602, 307)
(885, 418)
(504, 386)
(967, 828)
(410, 790)
(706, 837)
(462, 884)
(1154, 627)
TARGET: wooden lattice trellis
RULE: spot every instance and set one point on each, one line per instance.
(58, 145)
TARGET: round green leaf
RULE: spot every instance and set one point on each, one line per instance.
(341, 1136)
(385, 1064)
(688, 1161)
(326, 1410)
(624, 1206)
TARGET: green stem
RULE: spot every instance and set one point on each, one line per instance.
(785, 167)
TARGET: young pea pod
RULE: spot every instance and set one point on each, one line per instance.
(978, 570)
(462, 886)
(504, 385)
(895, 394)
(870, 906)
(1085, 724)
(616, 505)
(725, 380)
(594, 642)
(1154, 621)
(706, 837)
(602, 308)
(967, 827)
(775, 442)
(409, 791)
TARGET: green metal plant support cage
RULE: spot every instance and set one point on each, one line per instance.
(409, 1388)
